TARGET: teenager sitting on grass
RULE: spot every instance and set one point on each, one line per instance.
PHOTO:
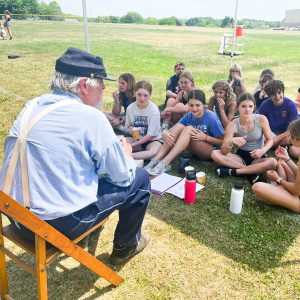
(264, 72)
(199, 131)
(177, 108)
(122, 99)
(280, 111)
(287, 177)
(144, 115)
(247, 133)
(260, 95)
(223, 102)
(235, 80)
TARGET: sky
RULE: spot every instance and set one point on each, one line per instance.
(269, 10)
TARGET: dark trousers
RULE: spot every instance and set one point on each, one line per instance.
(132, 203)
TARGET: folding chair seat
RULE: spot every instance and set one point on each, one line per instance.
(43, 255)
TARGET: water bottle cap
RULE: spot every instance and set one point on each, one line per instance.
(238, 184)
(191, 175)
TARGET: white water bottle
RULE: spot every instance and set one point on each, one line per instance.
(236, 198)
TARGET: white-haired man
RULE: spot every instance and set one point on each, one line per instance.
(76, 170)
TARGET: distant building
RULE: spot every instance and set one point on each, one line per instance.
(292, 18)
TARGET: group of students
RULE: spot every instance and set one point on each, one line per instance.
(235, 129)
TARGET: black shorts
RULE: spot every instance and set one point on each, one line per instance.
(144, 146)
(246, 157)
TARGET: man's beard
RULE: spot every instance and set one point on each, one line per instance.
(100, 103)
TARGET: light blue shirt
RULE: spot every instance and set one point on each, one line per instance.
(67, 151)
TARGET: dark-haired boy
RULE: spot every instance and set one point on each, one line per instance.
(280, 111)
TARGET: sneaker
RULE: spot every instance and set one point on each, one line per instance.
(253, 178)
(160, 168)
(153, 162)
(222, 171)
(164, 126)
(120, 255)
(139, 163)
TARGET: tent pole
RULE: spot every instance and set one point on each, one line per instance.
(87, 46)
(234, 31)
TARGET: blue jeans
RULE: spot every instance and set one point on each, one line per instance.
(131, 201)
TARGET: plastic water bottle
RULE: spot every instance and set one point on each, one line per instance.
(190, 187)
(236, 198)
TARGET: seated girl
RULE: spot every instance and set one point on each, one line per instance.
(176, 108)
(223, 102)
(260, 95)
(144, 115)
(199, 131)
(287, 177)
(122, 98)
(235, 80)
(247, 133)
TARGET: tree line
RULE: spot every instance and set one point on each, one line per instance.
(23, 9)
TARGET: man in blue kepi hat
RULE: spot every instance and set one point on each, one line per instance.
(78, 171)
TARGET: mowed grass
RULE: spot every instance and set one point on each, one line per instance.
(199, 251)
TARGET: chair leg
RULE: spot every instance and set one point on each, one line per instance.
(3, 270)
(41, 271)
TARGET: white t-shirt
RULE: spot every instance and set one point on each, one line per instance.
(146, 119)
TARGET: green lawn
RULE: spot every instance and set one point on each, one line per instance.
(199, 251)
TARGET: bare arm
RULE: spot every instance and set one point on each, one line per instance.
(226, 119)
(117, 104)
(228, 138)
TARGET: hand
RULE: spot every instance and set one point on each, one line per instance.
(282, 153)
(115, 122)
(236, 76)
(165, 112)
(115, 95)
(198, 135)
(168, 137)
(258, 153)
(239, 141)
(272, 175)
(221, 103)
(261, 94)
(127, 147)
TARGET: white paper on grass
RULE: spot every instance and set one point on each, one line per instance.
(163, 182)
(170, 184)
(178, 189)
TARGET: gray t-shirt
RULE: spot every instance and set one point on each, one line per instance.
(255, 137)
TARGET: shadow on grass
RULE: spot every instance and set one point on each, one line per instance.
(65, 281)
(257, 238)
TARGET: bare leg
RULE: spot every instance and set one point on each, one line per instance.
(285, 171)
(151, 150)
(277, 195)
(229, 160)
(201, 149)
(165, 149)
(168, 117)
(181, 144)
(258, 166)
(294, 152)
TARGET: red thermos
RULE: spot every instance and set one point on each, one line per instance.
(190, 187)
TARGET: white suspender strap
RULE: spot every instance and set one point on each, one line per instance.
(20, 148)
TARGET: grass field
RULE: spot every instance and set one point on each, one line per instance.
(196, 252)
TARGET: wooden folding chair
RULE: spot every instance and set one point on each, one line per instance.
(43, 257)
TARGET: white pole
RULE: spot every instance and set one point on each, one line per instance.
(234, 30)
(87, 46)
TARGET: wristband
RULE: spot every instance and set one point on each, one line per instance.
(287, 160)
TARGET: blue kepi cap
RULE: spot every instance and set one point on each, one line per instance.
(80, 63)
